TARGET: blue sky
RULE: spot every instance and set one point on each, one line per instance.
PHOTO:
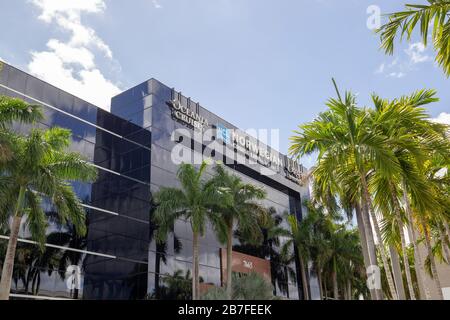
(256, 63)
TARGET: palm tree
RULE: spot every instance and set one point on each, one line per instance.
(41, 168)
(194, 202)
(431, 217)
(343, 184)
(378, 157)
(334, 250)
(435, 15)
(349, 148)
(423, 150)
(242, 211)
(345, 260)
(299, 237)
(413, 139)
(177, 286)
(161, 252)
(272, 232)
(14, 110)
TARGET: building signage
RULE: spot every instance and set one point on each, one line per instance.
(223, 133)
(293, 171)
(243, 263)
(187, 115)
(260, 154)
(248, 264)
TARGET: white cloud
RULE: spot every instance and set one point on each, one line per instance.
(396, 75)
(70, 54)
(51, 8)
(89, 84)
(444, 118)
(405, 63)
(380, 69)
(393, 63)
(416, 53)
(70, 64)
(156, 4)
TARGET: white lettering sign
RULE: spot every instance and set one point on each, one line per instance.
(187, 115)
(248, 264)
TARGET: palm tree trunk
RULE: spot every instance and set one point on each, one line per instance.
(157, 272)
(418, 265)
(303, 275)
(349, 290)
(195, 267)
(229, 261)
(447, 229)
(387, 269)
(398, 217)
(319, 279)
(335, 286)
(335, 282)
(444, 245)
(345, 293)
(434, 272)
(383, 255)
(36, 283)
(363, 234)
(397, 272)
(8, 265)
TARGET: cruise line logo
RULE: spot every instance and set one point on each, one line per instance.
(223, 133)
(259, 153)
(187, 115)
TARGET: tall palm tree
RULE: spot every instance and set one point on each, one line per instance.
(41, 168)
(429, 219)
(345, 142)
(242, 211)
(377, 157)
(344, 184)
(435, 15)
(161, 252)
(334, 250)
(193, 201)
(413, 139)
(14, 110)
(318, 225)
(299, 237)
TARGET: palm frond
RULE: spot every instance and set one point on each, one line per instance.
(403, 23)
(13, 109)
(36, 218)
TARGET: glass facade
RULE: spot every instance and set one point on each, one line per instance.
(111, 261)
(132, 146)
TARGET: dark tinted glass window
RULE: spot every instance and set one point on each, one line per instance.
(4, 70)
(35, 88)
(17, 80)
(85, 111)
